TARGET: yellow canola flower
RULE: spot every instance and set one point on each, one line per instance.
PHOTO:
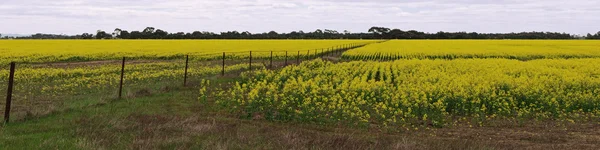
(427, 90)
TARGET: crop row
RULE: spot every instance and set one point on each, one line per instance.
(469, 49)
(413, 92)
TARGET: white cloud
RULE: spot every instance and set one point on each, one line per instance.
(78, 16)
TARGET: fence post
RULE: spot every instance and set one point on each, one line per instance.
(223, 67)
(186, 70)
(122, 75)
(308, 55)
(332, 52)
(285, 58)
(11, 79)
(298, 58)
(271, 61)
(250, 62)
(322, 50)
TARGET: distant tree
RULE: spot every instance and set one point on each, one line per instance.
(136, 35)
(294, 35)
(160, 34)
(196, 35)
(379, 31)
(319, 31)
(329, 34)
(148, 33)
(124, 34)
(87, 36)
(330, 31)
(148, 30)
(318, 34)
(441, 35)
(178, 35)
(102, 35)
(272, 35)
(245, 35)
(373, 33)
(117, 33)
(395, 34)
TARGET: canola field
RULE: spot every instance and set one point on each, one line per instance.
(398, 83)
(420, 92)
(466, 49)
(54, 75)
(43, 51)
(404, 83)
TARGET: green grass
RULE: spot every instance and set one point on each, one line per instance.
(175, 120)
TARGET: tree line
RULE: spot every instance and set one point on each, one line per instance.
(595, 36)
(373, 33)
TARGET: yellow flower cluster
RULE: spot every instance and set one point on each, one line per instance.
(419, 91)
(86, 50)
(457, 49)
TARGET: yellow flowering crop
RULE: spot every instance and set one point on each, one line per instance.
(85, 50)
(420, 91)
(457, 49)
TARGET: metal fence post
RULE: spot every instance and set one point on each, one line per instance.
(186, 70)
(11, 79)
(122, 75)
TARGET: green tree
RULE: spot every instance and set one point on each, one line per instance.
(117, 33)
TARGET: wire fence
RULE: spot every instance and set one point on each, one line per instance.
(34, 90)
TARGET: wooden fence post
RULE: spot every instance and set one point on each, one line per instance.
(250, 61)
(298, 58)
(122, 75)
(285, 58)
(223, 67)
(11, 78)
(271, 61)
(186, 70)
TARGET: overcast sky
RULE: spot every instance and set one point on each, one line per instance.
(78, 16)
